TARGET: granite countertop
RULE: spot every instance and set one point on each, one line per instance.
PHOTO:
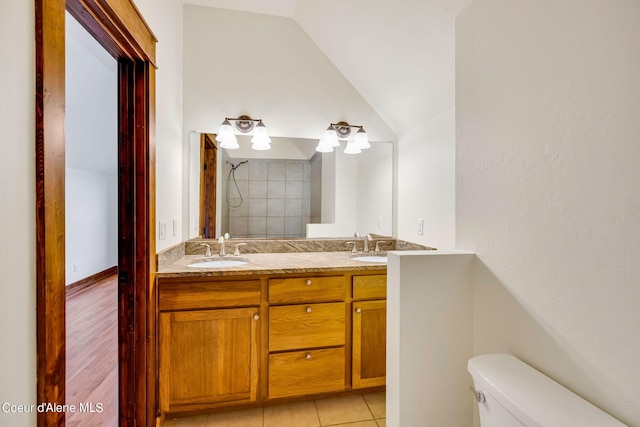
(271, 263)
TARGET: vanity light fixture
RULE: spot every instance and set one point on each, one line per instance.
(342, 130)
(245, 124)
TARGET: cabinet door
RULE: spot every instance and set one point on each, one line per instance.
(208, 357)
(369, 343)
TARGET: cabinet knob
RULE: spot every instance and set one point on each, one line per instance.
(308, 282)
(308, 310)
(308, 356)
(358, 311)
(256, 317)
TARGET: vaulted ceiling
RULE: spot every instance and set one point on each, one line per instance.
(398, 54)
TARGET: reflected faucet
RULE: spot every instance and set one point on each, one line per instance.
(221, 242)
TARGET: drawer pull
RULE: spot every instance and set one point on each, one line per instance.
(308, 282)
(308, 356)
(256, 317)
(308, 310)
(358, 311)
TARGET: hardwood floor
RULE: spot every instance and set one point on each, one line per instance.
(92, 355)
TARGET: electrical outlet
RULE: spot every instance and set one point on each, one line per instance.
(75, 268)
(162, 230)
(420, 227)
(175, 227)
(379, 223)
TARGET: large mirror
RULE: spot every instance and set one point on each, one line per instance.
(289, 191)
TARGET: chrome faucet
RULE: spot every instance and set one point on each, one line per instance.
(353, 248)
(366, 243)
(221, 242)
(208, 251)
(377, 250)
(237, 251)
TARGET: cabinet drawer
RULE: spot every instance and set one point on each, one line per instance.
(306, 326)
(370, 287)
(306, 372)
(196, 295)
(307, 289)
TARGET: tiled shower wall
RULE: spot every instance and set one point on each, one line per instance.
(272, 198)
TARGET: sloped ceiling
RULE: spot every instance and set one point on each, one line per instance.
(399, 54)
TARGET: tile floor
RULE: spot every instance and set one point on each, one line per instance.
(361, 410)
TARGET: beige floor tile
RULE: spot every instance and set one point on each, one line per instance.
(342, 410)
(370, 423)
(300, 414)
(197, 421)
(382, 422)
(377, 404)
(244, 418)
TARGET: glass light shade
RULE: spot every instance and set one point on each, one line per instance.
(261, 136)
(225, 129)
(323, 147)
(261, 147)
(331, 137)
(361, 139)
(230, 142)
(352, 148)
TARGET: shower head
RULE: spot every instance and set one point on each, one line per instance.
(234, 167)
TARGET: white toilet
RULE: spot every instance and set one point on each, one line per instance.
(511, 393)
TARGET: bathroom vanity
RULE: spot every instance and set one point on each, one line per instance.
(283, 326)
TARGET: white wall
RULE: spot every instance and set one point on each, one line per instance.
(374, 189)
(426, 182)
(548, 148)
(267, 67)
(17, 210)
(429, 338)
(91, 155)
(165, 20)
(91, 228)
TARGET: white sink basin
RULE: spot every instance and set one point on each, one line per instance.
(218, 263)
(371, 258)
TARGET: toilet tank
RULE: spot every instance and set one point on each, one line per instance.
(515, 394)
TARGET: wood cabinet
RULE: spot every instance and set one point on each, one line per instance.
(369, 343)
(306, 341)
(369, 313)
(208, 356)
(232, 341)
(208, 349)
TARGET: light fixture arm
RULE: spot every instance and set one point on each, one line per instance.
(343, 129)
(244, 124)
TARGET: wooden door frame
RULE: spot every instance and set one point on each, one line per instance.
(120, 29)
(208, 175)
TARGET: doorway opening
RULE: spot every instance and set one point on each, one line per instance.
(91, 228)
